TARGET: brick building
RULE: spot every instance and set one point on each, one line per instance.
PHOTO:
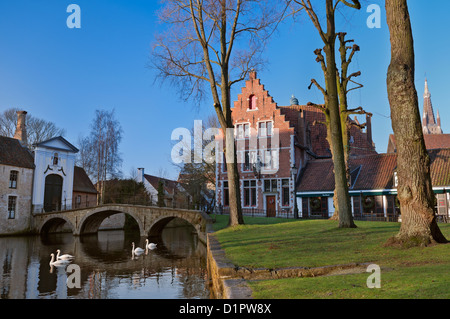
(273, 144)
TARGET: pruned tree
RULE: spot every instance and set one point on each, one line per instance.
(208, 46)
(343, 81)
(38, 130)
(415, 193)
(331, 107)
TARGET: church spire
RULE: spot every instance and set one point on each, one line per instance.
(429, 124)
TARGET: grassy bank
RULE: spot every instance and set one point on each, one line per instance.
(279, 243)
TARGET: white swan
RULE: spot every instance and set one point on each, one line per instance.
(137, 250)
(63, 257)
(150, 246)
(58, 262)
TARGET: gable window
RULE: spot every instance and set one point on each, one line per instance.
(243, 130)
(265, 129)
(13, 179)
(12, 200)
(55, 159)
(252, 102)
(249, 193)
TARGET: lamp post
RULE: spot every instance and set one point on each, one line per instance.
(257, 167)
(294, 177)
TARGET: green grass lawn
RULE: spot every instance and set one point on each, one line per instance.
(277, 243)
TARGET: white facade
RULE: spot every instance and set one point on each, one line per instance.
(53, 157)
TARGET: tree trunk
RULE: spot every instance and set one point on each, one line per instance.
(415, 193)
(337, 149)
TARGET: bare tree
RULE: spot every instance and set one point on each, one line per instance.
(38, 130)
(196, 176)
(99, 152)
(210, 45)
(415, 193)
(331, 97)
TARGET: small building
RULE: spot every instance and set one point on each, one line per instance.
(174, 193)
(373, 186)
(54, 175)
(84, 192)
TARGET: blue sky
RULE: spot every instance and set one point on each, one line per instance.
(64, 75)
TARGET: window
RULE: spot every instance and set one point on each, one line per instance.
(12, 207)
(243, 130)
(13, 179)
(270, 185)
(249, 159)
(252, 102)
(270, 160)
(249, 193)
(265, 129)
(55, 159)
(285, 192)
(226, 195)
(78, 201)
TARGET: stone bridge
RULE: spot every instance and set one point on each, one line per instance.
(151, 220)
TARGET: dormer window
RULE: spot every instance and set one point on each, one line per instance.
(55, 159)
(252, 102)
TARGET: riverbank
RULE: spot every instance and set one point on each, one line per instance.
(298, 258)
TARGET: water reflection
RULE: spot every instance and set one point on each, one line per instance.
(175, 269)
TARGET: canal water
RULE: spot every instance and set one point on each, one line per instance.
(176, 269)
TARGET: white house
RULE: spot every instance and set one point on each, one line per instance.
(54, 161)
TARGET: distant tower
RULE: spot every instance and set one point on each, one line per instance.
(429, 124)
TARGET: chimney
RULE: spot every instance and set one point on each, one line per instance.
(252, 74)
(140, 175)
(21, 128)
(438, 119)
(369, 129)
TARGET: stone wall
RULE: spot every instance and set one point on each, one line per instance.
(21, 221)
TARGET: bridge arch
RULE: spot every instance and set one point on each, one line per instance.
(160, 223)
(56, 224)
(90, 223)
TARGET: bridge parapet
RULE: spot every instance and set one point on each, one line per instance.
(151, 220)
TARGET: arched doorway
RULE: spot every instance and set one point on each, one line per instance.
(53, 193)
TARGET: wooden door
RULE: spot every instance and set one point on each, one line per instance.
(270, 206)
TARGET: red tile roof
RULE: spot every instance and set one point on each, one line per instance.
(432, 141)
(376, 172)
